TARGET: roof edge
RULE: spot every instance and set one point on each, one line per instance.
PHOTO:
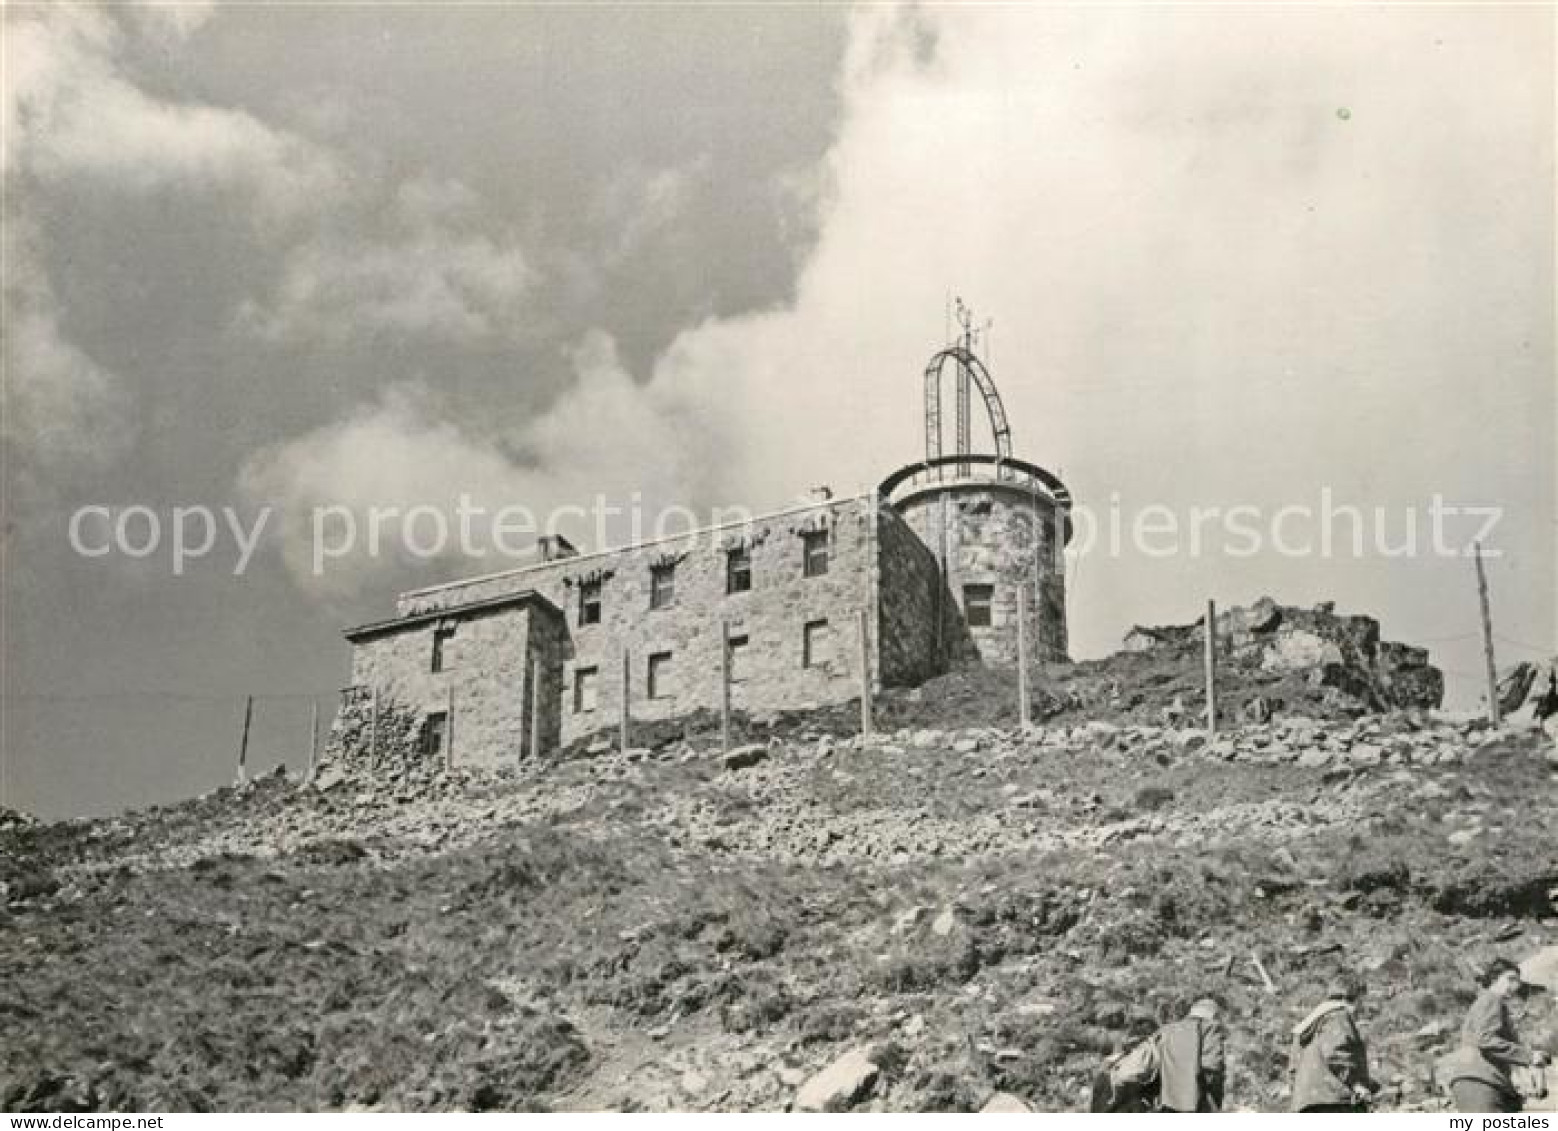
(453, 612)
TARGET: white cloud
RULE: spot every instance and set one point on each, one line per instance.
(425, 278)
(69, 114)
(62, 408)
(605, 441)
(1195, 263)
(639, 205)
(71, 111)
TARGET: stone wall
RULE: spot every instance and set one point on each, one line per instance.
(1001, 536)
(918, 622)
(772, 616)
(482, 686)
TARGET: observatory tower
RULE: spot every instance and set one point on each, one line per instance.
(997, 525)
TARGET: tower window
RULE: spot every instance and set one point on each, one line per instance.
(441, 638)
(589, 602)
(977, 600)
(738, 570)
(435, 732)
(662, 586)
(583, 690)
(814, 548)
(660, 675)
(816, 644)
(738, 658)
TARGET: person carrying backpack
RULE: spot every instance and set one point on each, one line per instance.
(1330, 1061)
(1181, 1067)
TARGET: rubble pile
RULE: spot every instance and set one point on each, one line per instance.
(1278, 657)
(379, 743)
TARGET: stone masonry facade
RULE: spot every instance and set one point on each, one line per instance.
(813, 603)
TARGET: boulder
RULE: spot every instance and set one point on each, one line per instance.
(1541, 969)
(1004, 1103)
(1366, 754)
(1294, 649)
(841, 1084)
(1257, 710)
(742, 757)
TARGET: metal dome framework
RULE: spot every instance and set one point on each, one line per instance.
(970, 373)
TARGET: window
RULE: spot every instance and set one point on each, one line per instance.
(435, 732)
(738, 658)
(589, 602)
(441, 638)
(738, 571)
(814, 547)
(583, 690)
(976, 605)
(816, 644)
(660, 675)
(662, 586)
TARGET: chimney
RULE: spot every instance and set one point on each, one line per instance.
(554, 547)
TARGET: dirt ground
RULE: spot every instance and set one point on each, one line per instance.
(983, 909)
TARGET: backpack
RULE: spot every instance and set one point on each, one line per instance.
(1131, 1082)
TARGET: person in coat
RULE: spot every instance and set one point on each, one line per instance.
(1479, 1070)
(1330, 1061)
(1191, 1060)
(1128, 1081)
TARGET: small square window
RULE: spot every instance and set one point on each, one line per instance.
(435, 732)
(816, 644)
(976, 605)
(660, 675)
(738, 658)
(589, 603)
(662, 586)
(441, 638)
(814, 548)
(738, 571)
(583, 690)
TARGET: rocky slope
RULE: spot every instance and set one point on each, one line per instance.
(923, 920)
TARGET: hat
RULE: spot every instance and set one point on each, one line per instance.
(1496, 969)
(1344, 988)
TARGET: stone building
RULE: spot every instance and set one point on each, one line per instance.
(802, 607)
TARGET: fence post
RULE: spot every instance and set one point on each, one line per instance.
(535, 709)
(373, 731)
(724, 686)
(243, 742)
(1023, 710)
(865, 676)
(449, 729)
(313, 737)
(1495, 715)
(627, 688)
(1211, 669)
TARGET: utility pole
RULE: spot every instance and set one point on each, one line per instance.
(1494, 715)
(1211, 669)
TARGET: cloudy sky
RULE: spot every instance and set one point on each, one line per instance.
(275, 259)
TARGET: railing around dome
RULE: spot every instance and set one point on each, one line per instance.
(971, 469)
